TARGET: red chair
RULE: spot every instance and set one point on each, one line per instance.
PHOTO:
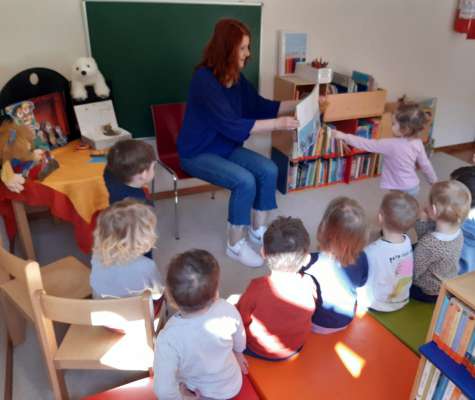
(167, 121)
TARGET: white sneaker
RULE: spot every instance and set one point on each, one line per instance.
(243, 253)
(257, 236)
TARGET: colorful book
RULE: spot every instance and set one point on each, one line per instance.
(432, 385)
(441, 317)
(440, 388)
(426, 373)
(448, 391)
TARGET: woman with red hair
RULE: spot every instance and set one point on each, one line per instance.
(223, 110)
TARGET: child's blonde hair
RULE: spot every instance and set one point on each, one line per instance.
(343, 230)
(452, 201)
(399, 211)
(412, 119)
(124, 231)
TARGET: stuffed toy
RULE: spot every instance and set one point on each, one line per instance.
(19, 158)
(86, 73)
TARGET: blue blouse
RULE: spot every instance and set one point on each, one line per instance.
(336, 288)
(219, 119)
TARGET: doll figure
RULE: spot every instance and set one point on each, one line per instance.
(48, 129)
(60, 136)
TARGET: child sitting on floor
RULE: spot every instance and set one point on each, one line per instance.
(124, 232)
(390, 258)
(466, 175)
(130, 167)
(341, 266)
(199, 351)
(401, 152)
(277, 309)
(440, 239)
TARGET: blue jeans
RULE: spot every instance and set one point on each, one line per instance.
(251, 177)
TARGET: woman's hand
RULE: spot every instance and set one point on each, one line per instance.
(286, 123)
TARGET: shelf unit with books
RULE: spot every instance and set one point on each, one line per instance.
(447, 366)
(327, 161)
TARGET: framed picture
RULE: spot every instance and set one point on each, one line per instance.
(292, 49)
(46, 116)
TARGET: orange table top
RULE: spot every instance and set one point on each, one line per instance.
(79, 179)
(364, 361)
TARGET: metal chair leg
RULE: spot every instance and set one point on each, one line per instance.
(175, 190)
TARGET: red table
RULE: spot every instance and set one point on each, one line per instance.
(73, 193)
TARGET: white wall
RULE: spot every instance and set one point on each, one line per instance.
(408, 45)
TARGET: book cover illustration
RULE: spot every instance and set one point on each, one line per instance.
(308, 114)
(292, 49)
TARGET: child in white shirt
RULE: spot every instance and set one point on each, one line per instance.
(390, 258)
(198, 353)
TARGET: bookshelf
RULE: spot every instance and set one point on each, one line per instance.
(450, 336)
(329, 163)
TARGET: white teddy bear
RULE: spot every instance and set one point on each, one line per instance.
(86, 73)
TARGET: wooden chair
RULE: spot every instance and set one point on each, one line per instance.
(19, 279)
(87, 343)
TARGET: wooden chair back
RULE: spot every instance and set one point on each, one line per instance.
(121, 314)
(19, 279)
(89, 339)
(26, 271)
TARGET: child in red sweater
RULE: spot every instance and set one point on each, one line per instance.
(277, 309)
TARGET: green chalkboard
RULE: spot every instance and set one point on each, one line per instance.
(147, 50)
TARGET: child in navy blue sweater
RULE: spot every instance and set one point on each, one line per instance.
(341, 266)
(130, 168)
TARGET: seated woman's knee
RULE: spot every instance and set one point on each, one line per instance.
(269, 170)
(246, 182)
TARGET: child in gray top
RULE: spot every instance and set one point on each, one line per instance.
(124, 232)
(440, 239)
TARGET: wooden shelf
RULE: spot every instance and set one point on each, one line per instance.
(355, 105)
(457, 373)
(341, 107)
(463, 288)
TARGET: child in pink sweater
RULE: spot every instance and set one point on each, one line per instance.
(401, 152)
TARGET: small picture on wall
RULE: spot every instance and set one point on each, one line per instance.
(292, 49)
(46, 117)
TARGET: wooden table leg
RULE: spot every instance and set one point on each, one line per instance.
(8, 383)
(24, 232)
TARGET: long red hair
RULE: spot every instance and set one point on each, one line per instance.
(221, 52)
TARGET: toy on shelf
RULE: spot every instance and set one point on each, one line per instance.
(86, 73)
(19, 157)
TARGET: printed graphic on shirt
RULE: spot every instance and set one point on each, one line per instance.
(403, 275)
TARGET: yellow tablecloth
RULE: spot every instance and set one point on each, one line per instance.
(79, 179)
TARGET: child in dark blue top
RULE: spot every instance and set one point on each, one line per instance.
(223, 110)
(341, 266)
(130, 167)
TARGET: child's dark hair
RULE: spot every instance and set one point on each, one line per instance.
(192, 280)
(343, 230)
(399, 211)
(412, 119)
(286, 244)
(466, 175)
(128, 158)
